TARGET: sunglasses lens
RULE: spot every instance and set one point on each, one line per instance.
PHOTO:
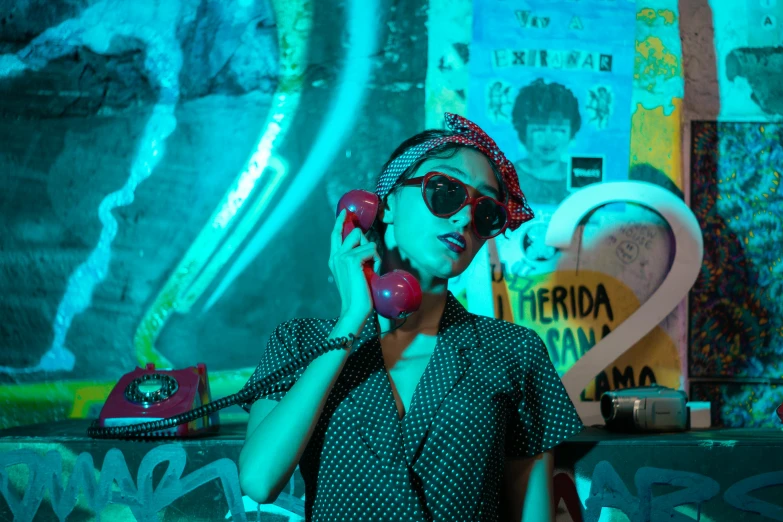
(489, 218)
(444, 196)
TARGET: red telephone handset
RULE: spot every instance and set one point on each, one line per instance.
(394, 295)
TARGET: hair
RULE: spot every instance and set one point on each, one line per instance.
(538, 100)
(446, 150)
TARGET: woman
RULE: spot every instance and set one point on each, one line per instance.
(445, 416)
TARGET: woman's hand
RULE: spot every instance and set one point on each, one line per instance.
(345, 262)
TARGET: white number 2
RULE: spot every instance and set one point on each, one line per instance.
(689, 250)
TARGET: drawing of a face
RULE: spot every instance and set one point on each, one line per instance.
(547, 141)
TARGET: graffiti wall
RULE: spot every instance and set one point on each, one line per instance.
(169, 174)
(669, 478)
(135, 288)
(678, 477)
(174, 172)
(79, 479)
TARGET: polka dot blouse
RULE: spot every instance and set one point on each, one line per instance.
(489, 393)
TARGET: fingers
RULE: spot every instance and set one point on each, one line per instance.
(360, 254)
(352, 240)
(371, 254)
(354, 249)
(337, 231)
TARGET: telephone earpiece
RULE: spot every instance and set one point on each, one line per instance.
(394, 295)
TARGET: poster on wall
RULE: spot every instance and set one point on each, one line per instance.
(749, 59)
(552, 83)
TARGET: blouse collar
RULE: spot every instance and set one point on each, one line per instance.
(457, 334)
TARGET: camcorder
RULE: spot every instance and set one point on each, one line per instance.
(645, 408)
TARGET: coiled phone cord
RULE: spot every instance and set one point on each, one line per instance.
(261, 387)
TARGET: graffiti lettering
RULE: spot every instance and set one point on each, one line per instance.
(567, 302)
(738, 495)
(642, 235)
(45, 474)
(607, 490)
(562, 342)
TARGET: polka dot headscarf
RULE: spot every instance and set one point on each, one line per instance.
(470, 135)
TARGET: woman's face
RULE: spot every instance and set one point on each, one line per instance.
(548, 141)
(419, 236)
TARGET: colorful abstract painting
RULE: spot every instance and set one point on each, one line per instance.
(736, 310)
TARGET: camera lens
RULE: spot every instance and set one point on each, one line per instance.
(607, 407)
